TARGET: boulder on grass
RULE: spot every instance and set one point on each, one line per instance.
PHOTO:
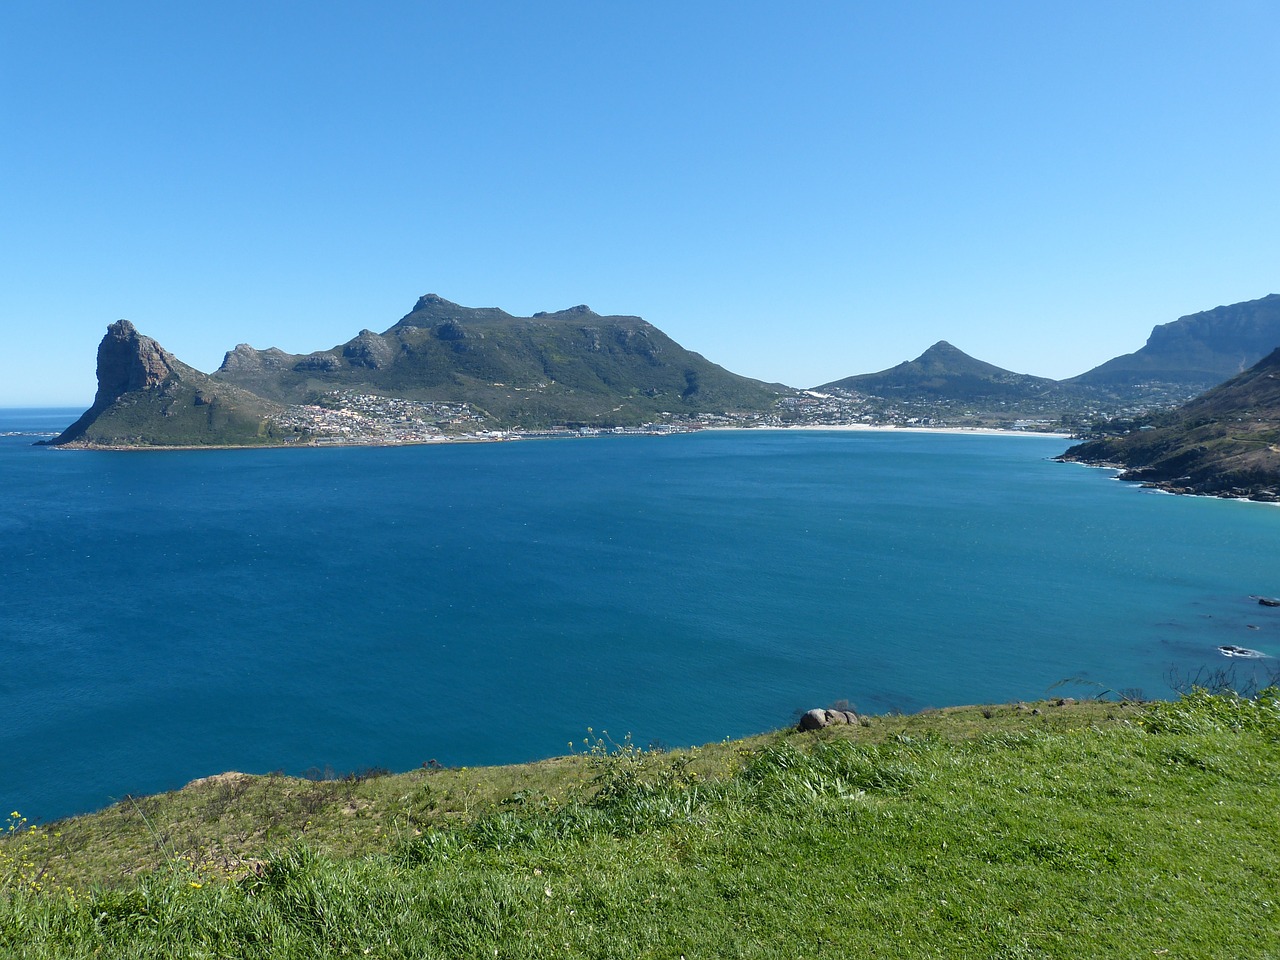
(814, 720)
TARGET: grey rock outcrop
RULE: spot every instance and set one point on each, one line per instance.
(147, 397)
(369, 350)
(818, 718)
(813, 720)
(127, 361)
(245, 358)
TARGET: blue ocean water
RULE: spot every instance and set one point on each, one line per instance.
(168, 615)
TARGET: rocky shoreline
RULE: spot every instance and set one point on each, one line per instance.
(1219, 488)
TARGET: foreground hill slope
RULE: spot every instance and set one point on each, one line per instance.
(147, 397)
(1224, 442)
(1084, 830)
(570, 366)
(1195, 352)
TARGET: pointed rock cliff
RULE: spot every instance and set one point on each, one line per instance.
(147, 397)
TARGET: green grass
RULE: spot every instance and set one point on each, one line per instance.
(1084, 830)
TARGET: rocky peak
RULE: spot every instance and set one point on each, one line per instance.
(243, 357)
(368, 350)
(428, 300)
(569, 313)
(247, 359)
(129, 361)
(943, 350)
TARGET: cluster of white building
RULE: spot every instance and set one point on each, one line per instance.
(346, 417)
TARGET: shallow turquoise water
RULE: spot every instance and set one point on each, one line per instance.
(173, 614)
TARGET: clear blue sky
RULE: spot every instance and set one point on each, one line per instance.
(798, 191)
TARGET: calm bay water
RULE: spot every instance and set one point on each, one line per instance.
(170, 615)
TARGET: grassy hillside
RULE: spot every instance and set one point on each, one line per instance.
(1059, 831)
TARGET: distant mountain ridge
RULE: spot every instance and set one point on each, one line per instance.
(1197, 351)
(1179, 360)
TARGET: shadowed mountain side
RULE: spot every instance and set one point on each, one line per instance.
(945, 372)
(1225, 442)
(571, 366)
(1197, 351)
(147, 397)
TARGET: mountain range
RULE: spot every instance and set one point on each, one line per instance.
(1179, 360)
(574, 368)
(570, 368)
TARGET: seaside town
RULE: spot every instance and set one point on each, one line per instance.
(343, 417)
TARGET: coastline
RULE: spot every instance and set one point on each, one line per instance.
(1173, 488)
(889, 427)
(805, 427)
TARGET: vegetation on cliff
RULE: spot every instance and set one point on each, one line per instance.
(1093, 829)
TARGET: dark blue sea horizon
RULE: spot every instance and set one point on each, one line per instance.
(169, 615)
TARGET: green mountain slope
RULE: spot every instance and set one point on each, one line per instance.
(1226, 441)
(945, 372)
(571, 366)
(147, 397)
